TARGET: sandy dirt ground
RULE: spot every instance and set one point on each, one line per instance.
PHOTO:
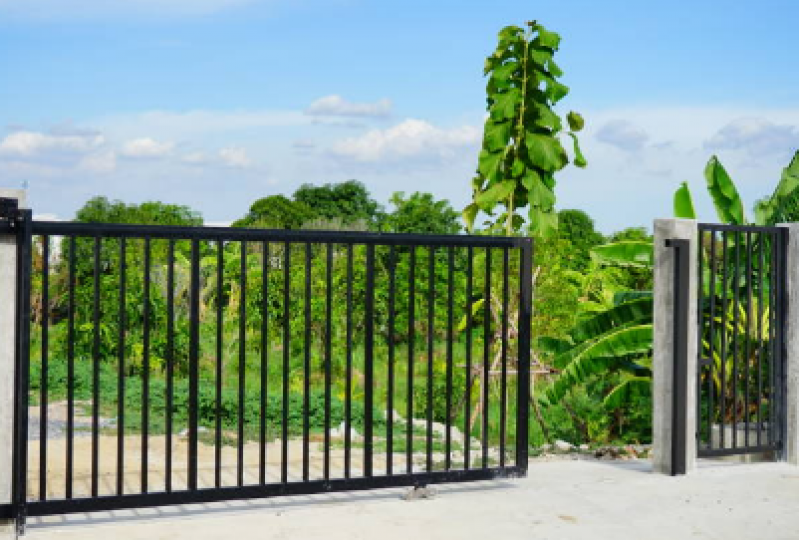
(560, 500)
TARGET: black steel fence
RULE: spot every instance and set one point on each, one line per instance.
(164, 365)
(741, 375)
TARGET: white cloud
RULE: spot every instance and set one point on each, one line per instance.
(146, 147)
(756, 135)
(30, 144)
(622, 134)
(338, 106)
(100, 162)
(196, 124)
(411, 138)
(235, 157)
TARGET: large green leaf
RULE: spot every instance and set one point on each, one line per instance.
(501, 190)
(576, 122)
(543, 223)
(623, 393)
(545, 151)
(579, 159)
(783, 206)
(599, 356)
(538, 193)
(469, 213)
(628, 253)
(726, 199)
(488, 163)
(504, 108)
(546, 38)
(636, 310)
(496, 135)
(684, 203)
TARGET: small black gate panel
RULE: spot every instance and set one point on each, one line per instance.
(742, 295)
(167, 365)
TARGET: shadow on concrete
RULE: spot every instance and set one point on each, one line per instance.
(275, 505)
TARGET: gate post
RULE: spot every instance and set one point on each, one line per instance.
(668, 435)
(8, 310)
(790, 450)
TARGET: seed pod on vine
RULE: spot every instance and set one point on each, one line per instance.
(522, 150)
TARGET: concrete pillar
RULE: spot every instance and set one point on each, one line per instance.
(8, 287)
(663, 353)
(791, 454)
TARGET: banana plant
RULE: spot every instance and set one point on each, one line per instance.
(617, 339)
(781, 207)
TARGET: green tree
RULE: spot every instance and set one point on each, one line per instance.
(347, 202)
(276, 212)
(421, 213)
(578, 228)
(521, 149)
(101, 210)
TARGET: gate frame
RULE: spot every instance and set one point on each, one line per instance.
(18, 224)
(668, 314)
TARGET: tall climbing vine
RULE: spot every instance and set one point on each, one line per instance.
(521, 149)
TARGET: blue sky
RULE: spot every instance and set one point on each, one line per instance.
(215, 103)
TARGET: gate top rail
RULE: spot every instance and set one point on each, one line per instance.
(113, 230)
(739, 228)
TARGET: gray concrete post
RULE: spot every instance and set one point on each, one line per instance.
(8, 287)
(792, 345)
(663, 346)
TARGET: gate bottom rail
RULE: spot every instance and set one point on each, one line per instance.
(143, 500)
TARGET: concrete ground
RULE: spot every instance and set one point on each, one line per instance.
(560, 500)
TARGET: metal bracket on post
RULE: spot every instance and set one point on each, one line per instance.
(679, 409)
(10, 213)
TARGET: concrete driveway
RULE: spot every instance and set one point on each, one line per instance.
(560, 500)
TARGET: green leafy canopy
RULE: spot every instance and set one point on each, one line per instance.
(522, 149)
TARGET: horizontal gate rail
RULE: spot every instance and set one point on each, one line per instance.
(741, 364)
(200, 364)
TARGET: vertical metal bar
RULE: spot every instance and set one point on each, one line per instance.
(242, 361)
(736, 305)
(348, 375)
(782, 351)
(392, 278)
(194, 362)
(747, 344)
(22, 369)
(328, 353)
(410, 374)
(712, 340)
(306, 371)
(45, 327)
(486, 352)
(723, 338)
(220, 291)
(96, 370)
(264, 361)
(773, 354)
(525, 331)
(431, 313)
(170, 361)
(761, 284)
(70, 459)
(121, 367)
(467, 427)
(504, 376)
(450, 337)
(680, 343)
(369, 361)
(700, 315)
(145, 405)
(284, 442)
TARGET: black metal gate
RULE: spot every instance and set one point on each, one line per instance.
(741, 313)
(169, 365)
